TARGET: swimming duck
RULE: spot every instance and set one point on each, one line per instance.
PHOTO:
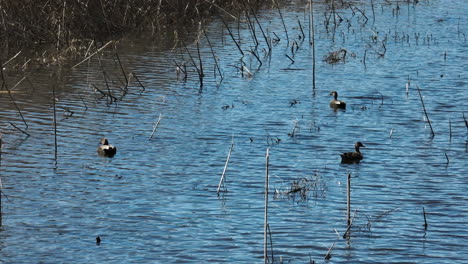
(105, 149)
(353, 157)
(335, 103)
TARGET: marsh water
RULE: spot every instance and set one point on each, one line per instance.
(156, 200)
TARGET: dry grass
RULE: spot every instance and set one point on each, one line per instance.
(69, 26)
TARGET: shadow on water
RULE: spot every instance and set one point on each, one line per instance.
(156, 199)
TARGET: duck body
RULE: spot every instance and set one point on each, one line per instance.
(353, 157)
(335, 103)
(105, 149)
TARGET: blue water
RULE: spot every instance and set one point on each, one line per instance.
(156, 200)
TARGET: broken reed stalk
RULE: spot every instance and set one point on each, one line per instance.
(55, 122)
(90, 56)
(12, 58)
(282, 21)
(113, 98)
(425, 220)
(265, 226)
(252, 30)
(194, 64)
(155, 126)
(127, 81)
(448, 161)
(271, 245)
(232, 35)
(138, 80)
(348, 200)
(312, 40)
(201, 74)
(346, 233)
(222, 180)
(214, 57)
(328, 255)
(4, 85)
(261, 29)
(450, 131)
(21, 130)
(425, 112)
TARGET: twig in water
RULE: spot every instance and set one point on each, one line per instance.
(291, 59)
(293, 132)
(223, 179)
(348, 200)
(21, 130)
(4, 85)
(312, 41)
(282, 20)
(448, 161)
(425, 220)
(261, 29)
(346, 233)
(55, 121)
(328, 255)
(127, 81)
(271, 244)
(450, 130)
(408, 83)
(155, 126)
(232, 35)
(138, 80)
(194, 64)
(425, 112)
(214, 56)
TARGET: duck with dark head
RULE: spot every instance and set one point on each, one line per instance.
(105, 149)
(335, 103)
(353, 157)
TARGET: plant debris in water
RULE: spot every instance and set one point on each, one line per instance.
(302, 189)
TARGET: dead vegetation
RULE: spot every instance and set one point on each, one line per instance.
(71, 26)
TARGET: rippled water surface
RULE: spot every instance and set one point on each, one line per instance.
(156, 200)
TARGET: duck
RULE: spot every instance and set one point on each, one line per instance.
(353, 157)
(105, 149)
(335, 103)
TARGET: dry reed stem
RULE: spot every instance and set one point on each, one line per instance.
(12, 58)
(55, 121)
(425, 112)
(328, 255)
(4, 85)
(94, 53)
(222, 180)
(155, 126)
